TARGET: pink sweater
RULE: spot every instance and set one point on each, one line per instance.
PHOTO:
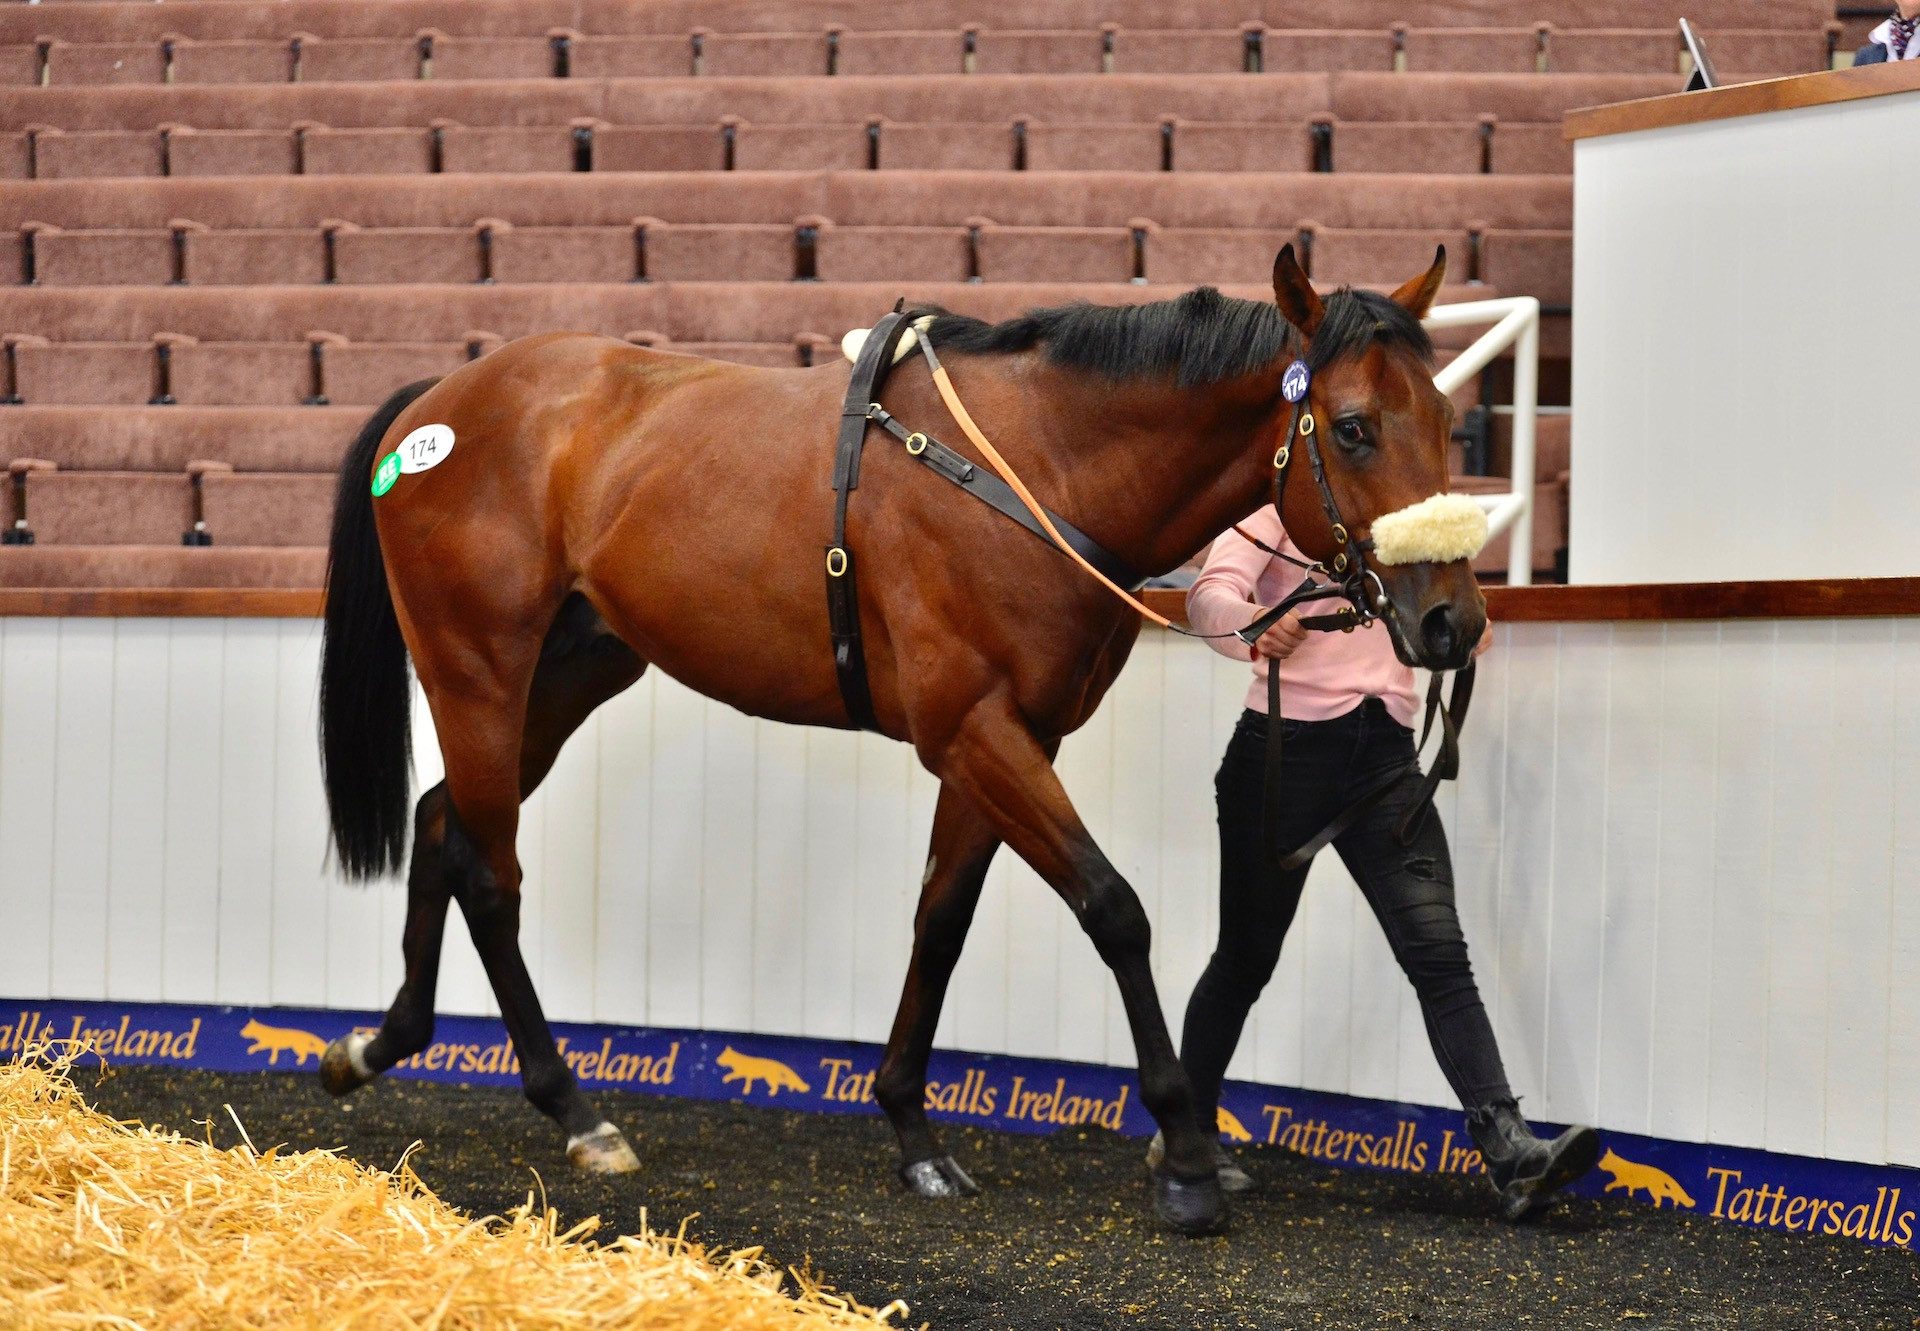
(1331, 673)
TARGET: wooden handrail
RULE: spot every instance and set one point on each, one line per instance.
(1815, 598)
(1745, 99)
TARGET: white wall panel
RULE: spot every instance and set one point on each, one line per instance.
(1705, 257)
(1687, 858)
(137, 848)
(83, 760)
(29, 710)
(1902, 709)
(191, 881)
(1681, 1006)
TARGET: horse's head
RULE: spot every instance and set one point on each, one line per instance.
(1380, 431)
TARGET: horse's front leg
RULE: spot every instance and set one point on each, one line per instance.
(960, 852)
(994, 760)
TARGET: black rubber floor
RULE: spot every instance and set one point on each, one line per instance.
(1061, 1236)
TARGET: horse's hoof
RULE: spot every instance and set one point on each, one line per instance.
(939, 1177)
(602, 1151)
(343, 1067)
(1190, 1207)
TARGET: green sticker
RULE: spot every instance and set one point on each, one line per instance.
(386, 474)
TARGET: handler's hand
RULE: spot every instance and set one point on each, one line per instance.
(1486, 640)
(1282, 640)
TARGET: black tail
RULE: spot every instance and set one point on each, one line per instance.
(365, 695)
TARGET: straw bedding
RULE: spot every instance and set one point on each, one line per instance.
(110, 1224)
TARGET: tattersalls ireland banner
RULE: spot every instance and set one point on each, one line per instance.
(1872, 1203)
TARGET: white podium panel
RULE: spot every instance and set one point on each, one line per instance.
(1746, 370)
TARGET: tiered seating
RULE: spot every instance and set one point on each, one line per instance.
(213, 261)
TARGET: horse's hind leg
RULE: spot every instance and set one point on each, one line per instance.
(355, 1059)
(497, 750)
(957, 860)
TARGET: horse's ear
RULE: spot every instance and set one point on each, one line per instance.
(1294, 294)
(1417, 295)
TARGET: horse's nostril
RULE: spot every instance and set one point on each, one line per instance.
(1438, 627)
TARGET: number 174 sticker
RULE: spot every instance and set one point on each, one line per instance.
(423, 449)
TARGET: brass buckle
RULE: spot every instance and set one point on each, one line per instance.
(836, 561)
(1339, 534)
(1282, 457)
(1306, 424)
(916, 443)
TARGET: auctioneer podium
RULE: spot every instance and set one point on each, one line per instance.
(1746, 306)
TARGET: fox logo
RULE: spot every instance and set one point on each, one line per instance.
(746, 1069)
(1660, 1185)
(275, 1040)
(1235, 1130)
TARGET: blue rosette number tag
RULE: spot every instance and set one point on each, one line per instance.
(1293, 384)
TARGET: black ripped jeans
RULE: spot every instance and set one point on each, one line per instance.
(1410, 888)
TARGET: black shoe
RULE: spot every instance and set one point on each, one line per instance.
(1524, 1169)
(1233, 1179)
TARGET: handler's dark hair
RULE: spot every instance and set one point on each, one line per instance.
(1200, 338)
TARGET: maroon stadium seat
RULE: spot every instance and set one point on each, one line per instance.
(1223, 146)
(762, 54)
(217, 373)
(1181, 51)
(1428, 149)
(946, 147)
(893, 253)
(70, 154)
(1613, 51)
(659, 148)
(1055, 254)
(1473, 50)
(1070, 147)
(565, 254)
(102, 258)
(1027, 51)
(232, 152)
(108, 507)
(266, 508)
(740, 252)
(1521, 148)
(99, 64)
(1529, 263)
(373, 152)
(900, 54)
(406, 254)
(246, 61)
(841, 147)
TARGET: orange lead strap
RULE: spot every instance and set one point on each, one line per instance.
(999, 464)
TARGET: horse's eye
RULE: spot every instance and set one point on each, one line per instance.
(1351, 433)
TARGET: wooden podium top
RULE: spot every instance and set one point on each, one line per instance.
(1745, 99)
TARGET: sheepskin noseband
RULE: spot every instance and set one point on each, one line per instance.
(1437, 530)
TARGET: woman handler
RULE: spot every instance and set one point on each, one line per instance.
(1347, 705)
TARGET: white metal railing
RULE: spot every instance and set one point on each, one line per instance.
(1516, 323)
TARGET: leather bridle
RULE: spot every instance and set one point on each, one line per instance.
(1350, 566)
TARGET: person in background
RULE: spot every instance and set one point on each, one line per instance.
(1348, 704)
(1894, 39)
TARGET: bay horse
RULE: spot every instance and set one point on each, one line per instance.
(585, 508)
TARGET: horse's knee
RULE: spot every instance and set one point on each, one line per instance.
(1112, 916)
(897, 1090)
(1166, 1092)
(430, 817)
(547, 1084)
(486, 903)
(408, 1029)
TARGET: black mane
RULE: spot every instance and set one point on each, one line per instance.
(1200, 338)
